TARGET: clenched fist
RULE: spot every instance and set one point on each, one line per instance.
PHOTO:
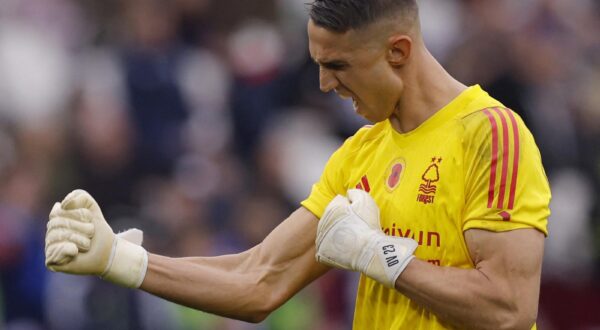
(349, 237)
(80, 241)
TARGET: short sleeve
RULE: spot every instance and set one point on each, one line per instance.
(505, 184)
(331, 183)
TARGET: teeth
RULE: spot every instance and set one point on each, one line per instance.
(355, 104)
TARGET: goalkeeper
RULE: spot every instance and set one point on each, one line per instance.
(442, 204)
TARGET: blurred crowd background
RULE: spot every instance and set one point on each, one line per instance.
(201, 122)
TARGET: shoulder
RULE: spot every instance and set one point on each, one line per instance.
(493, 122)
(486, 116)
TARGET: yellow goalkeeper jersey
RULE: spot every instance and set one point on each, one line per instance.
(473, 164)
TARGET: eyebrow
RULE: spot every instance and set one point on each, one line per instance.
(333, 64)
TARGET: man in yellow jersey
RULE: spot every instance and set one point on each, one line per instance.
(442, 205)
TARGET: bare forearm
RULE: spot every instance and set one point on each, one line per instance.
(207, 286)
(468, 298)
(245, 286)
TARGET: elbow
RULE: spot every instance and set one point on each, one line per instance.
(256, 314)
(518, 322)
(266, 303)
(516, 319)
(256, 317)
(261, 311)
(266, 300)
(507, 311)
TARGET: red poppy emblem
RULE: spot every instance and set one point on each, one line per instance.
(394, 177)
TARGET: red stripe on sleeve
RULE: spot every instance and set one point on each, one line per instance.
(365, 183)
(505, 153)
(515, 169)
(494, 156)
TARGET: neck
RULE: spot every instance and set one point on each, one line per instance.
(427, 89)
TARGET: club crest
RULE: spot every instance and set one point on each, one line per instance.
(428, 187)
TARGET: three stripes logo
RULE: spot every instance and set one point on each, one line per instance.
(504, 167)
(364, 184)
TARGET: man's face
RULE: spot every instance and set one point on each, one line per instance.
(354, 65)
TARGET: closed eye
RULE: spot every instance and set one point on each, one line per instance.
(335, 65)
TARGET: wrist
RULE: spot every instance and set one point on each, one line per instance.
(127, 265)
(392, 256)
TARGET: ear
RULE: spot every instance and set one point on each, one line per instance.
(399, 49)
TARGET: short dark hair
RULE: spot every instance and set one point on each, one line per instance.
(343, 15)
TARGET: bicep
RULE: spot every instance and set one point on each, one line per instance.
(286, 257)
(512, 260)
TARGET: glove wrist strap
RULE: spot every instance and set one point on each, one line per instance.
(128, 264)
(394, 254)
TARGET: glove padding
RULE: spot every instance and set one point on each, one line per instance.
(80, 241)
(349, 237)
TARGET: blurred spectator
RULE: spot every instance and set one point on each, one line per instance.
(22, 271)
(150, 64)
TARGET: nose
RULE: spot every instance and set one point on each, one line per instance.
(327, 80)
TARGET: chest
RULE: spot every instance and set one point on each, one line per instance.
(419, 188)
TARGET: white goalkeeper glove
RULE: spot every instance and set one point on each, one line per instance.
(349, 237)
(80, 241)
